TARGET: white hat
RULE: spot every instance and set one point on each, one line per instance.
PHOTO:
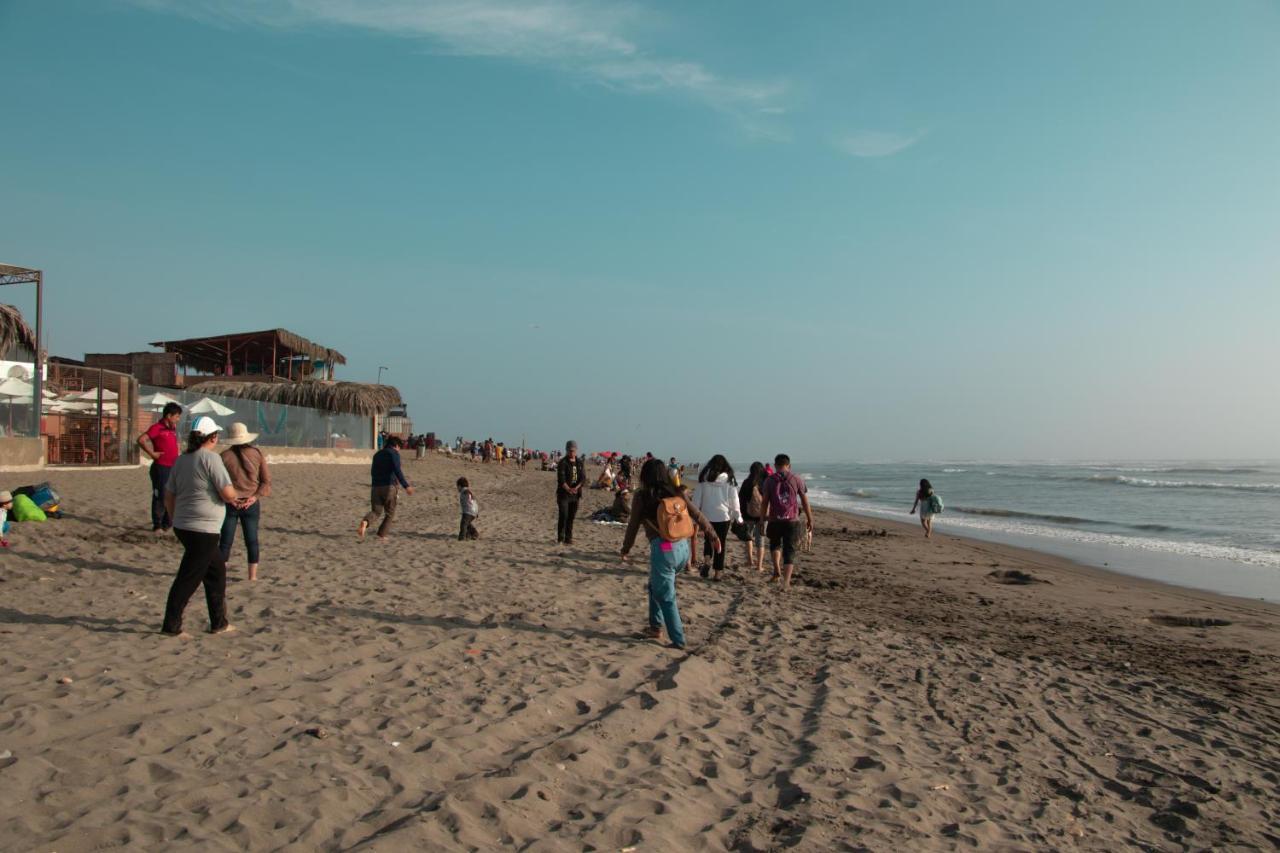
(239, 434)
(205, 425)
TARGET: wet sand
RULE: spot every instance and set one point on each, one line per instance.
(422, 693)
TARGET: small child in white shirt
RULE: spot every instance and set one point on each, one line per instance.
(470, 509)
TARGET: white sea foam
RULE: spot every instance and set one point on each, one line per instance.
(1270, 559)
(1183, 484)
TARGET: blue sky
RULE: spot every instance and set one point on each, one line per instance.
(845, 230)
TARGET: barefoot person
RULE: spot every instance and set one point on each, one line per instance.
(751, 500)
(252, 481)
(160, 443)
(658, 505)
(784, 495)
(386, 477)
(927, 501)
(716, 497)
(196, 495)
(571, 476)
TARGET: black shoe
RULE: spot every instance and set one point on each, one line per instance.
(704, 571)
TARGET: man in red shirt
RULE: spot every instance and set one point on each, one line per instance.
(160, 442)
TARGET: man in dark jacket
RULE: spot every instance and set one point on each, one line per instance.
(571, 476)
(386, 477)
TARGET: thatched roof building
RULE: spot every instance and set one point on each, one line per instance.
(14, 331)
(355, 398)
(277, 353)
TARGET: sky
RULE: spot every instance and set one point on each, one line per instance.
(842, 230)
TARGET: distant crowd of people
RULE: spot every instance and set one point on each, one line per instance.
(204, 495)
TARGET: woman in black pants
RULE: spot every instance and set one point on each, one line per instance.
(716, 497)
(196, 495)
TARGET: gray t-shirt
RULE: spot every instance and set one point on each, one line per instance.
(196, 480)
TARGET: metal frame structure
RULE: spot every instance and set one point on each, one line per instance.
(10, 274)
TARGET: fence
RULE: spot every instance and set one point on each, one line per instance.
(277, 425)
(88, 416)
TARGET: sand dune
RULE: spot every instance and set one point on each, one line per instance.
(422, 693)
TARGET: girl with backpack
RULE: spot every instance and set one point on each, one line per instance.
(716, 497)
(751, 502)
(930, 505)
(668, 523)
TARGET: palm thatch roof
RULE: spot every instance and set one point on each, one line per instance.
(263, 350)
(14, 330)
(353, 398)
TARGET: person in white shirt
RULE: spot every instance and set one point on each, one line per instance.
(716, 497)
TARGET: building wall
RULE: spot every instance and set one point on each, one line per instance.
(21, 454)
(149, 368)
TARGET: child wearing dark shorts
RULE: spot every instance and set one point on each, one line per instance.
(470, 510)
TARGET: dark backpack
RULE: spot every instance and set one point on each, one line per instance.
(784, 497)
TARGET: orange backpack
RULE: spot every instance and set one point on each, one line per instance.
(674, 522)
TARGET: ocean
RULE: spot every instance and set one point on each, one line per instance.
(1211, 525)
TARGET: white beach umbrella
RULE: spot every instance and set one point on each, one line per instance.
(210, 407)
(92, 394)
(156, 401)
(14, 388)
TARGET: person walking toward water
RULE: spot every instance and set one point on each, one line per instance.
(716, 497)
(668, 523)
(929, 504)
(386, 476)
(784, 495)
(160, 443)
(470, 511)
(571, 476)
(751, 501)
(252, 481)
(195, 497)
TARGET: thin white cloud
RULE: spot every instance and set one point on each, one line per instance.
(583, 37)
(876, 143)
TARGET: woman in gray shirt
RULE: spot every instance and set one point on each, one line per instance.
(196, 495)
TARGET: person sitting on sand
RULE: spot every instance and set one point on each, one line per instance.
(666, 557)
(621, 509)
(784, 495)
(924, 500)
(6, 507)
(470, 511)
(196, 495)
(385, 473)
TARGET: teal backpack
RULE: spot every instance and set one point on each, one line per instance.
(935, 503)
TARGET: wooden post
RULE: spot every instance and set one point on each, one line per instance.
(275, 359)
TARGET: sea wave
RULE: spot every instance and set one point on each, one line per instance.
(1060, 519)
(1030, 527)
(1142, 482)
(954, 470)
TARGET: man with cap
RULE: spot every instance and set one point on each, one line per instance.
(571, 476)
(195, 497)
(160, 444)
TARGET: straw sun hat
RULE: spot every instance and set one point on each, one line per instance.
(239, 434)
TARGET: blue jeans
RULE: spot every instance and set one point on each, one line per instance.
(665, 560)
(248, 519)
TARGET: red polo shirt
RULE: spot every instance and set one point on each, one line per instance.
(165, 440)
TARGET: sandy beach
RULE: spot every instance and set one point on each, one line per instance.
(424, 693)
